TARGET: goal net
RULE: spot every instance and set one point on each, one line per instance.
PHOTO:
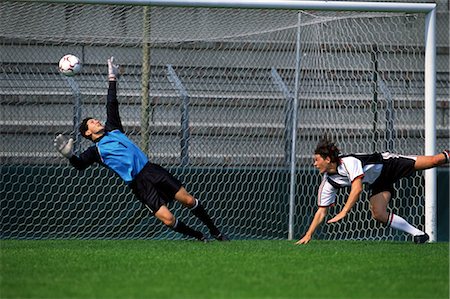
(208, 94)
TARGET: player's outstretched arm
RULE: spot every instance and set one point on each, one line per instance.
(113, 121)
(353, 197)
(320, 215)
(113, 70)
(64, 145)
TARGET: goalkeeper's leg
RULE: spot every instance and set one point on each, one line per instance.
(199, 211)
(179, 226)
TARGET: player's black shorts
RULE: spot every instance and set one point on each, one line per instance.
(393, 170)
(154, 186)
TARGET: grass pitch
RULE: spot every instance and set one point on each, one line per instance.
(237, 269)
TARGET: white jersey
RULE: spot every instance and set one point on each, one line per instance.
(366, 166)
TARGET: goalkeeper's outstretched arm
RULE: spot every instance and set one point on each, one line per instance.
(113, 120)
(320, 215)
(64, 146)
(92, 129)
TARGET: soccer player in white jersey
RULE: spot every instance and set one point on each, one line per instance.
(378, 170)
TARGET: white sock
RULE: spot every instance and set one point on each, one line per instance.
(399, 223)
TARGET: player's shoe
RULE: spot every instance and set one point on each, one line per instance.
(420, 239)
(447, 156)
(221, 237)
(203, 239)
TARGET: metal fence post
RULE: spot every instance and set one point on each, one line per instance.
(76, 113)
(185, 132)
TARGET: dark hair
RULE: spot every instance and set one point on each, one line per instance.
(84, 127)
(326, 148)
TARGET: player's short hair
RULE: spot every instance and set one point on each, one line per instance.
(84, 127)
(326, 148)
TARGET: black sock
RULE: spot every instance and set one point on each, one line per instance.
(182, 228)
(201, 214)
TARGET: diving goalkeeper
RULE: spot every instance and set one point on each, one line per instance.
(152, 184)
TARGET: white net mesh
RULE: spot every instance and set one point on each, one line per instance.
(218, 114)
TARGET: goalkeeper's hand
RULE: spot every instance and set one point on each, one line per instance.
(64, 145)
(113, 70)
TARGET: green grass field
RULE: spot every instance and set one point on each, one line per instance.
(237, 269)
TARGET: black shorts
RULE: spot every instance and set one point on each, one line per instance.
(393, 170)
(154, 186)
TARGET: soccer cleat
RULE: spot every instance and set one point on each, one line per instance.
(221, 237)
(420, 239)
(203, 239)
(447, 156)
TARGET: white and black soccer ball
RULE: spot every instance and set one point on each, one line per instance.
(69, 65)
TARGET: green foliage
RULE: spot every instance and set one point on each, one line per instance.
(237, 269)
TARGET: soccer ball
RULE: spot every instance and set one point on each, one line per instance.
(69, 65)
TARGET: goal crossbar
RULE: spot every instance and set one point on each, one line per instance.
(269, 4)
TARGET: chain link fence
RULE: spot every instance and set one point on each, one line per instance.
(209, 94)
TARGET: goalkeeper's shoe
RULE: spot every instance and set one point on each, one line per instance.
(221, 237)
(420, 239)
(202, 238)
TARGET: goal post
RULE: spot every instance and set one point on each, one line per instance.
(249, 164)
(430, 123)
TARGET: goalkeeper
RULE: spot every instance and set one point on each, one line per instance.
(379, 170)
(153, 185)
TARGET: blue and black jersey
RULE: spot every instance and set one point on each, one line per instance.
(114, 149)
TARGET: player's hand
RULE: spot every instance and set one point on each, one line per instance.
(64, 145)
(303, 240)
(338, 217)
(113, 70)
